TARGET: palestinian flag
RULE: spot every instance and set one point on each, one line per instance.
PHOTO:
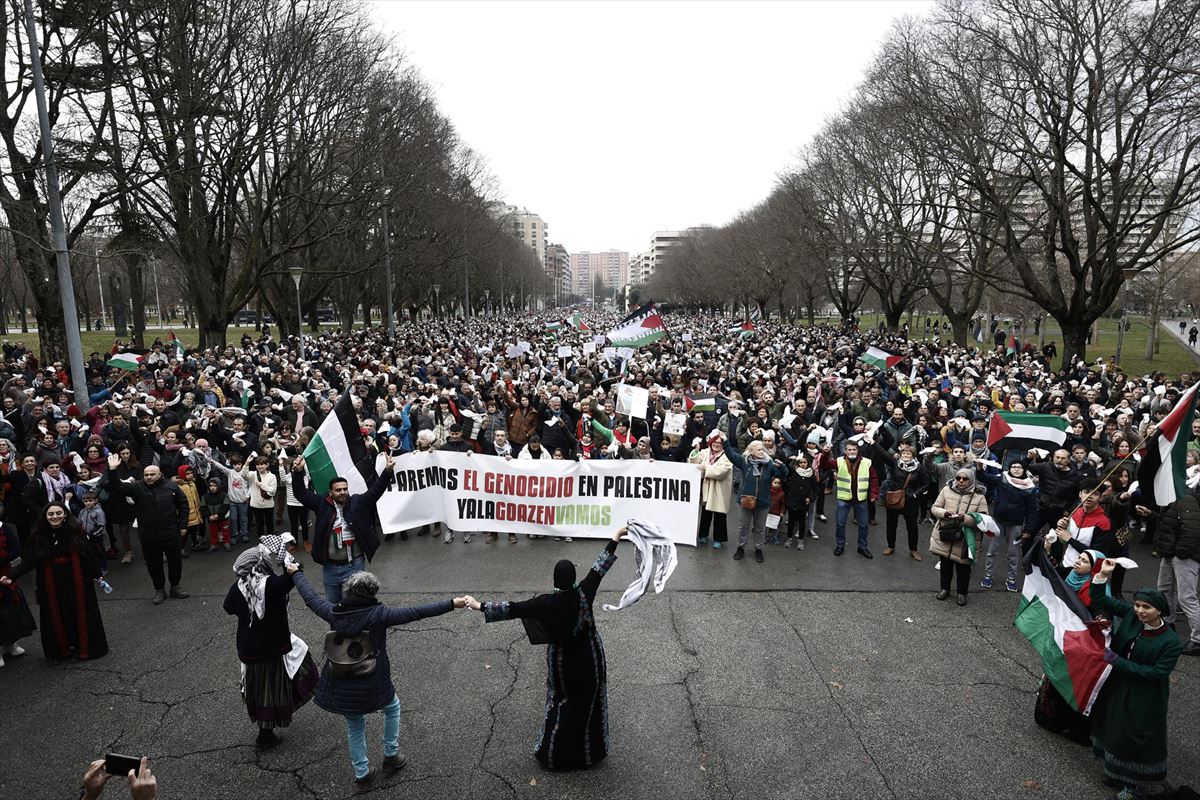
(880, 359)
(700, 402)
(174, 345)
(1015, 430)
(1013, 345)
(553, 326)
(1061, 629)
(576, 322)
(338, 450)
(1161, 474)
(129, 361)
(983, 523)
(642, 327)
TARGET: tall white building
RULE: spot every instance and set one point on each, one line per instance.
(526, 226)
(644, 264)
(611, 266)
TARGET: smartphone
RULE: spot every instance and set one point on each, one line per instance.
(116, 764)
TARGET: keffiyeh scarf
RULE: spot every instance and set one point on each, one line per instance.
(655, 558)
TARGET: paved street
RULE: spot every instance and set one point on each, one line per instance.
(806, 676)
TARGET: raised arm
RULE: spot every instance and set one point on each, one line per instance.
(318, 605)
(608, 556)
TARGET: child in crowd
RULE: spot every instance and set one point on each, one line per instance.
(91, 516)
(214, 507)
(778, 506)
(195, 522)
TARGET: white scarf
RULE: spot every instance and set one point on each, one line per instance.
(652, 545)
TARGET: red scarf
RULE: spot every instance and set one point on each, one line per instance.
(60, 633)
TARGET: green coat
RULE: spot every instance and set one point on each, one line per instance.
(1130, 715)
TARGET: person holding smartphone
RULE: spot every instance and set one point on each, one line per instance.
(142, 783)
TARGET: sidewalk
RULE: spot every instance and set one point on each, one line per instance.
(1173, 326)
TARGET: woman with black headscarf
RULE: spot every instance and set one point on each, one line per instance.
(278, 674)
(1129, 720)
(575, 730)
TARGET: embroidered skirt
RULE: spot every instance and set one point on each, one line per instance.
(272, 697)
(1138, 775)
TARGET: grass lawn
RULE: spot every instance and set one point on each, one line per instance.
(1172, 358)
(102, 341)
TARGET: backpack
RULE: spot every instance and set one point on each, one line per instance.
(350, 655)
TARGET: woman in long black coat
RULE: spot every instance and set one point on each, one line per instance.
(575, 730)
(69, 616)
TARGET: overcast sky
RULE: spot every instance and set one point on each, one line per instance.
(614, 119)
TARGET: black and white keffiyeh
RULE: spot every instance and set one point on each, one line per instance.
(655, 558)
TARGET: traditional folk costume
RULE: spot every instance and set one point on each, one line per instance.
(574, 732)
(68, 613)
(1129, 720)
(278, 673)
(16, 620)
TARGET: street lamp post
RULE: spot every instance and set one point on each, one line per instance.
(297, 272)
(1127, 276)
(437, 294)
(58, 232)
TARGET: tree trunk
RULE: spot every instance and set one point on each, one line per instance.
(1074, 334)
(893, 315)
(212, 330)
(137, 295)
(960, 325)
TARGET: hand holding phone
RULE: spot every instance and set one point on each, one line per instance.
(116, 764)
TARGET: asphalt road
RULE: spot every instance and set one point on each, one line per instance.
(806, 676)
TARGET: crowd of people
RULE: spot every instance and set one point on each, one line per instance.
(199, 452)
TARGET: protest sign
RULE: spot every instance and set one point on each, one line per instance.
(675, 424)
(587, 499)
(632, 400)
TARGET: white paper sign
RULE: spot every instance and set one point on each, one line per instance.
(687, 337)
(610, 353)
(524, 346)
(632, 400)
(514, 351)
(600, 338)
(589, 348)
(625, 352)
(564, 351)
(674, 424)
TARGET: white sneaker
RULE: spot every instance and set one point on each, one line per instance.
(813, 535)
(799, 544)
(1, 661)
(14, 650)
(467, 537)
(568, 539)
(449, 536)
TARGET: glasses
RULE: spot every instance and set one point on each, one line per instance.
(961, 478)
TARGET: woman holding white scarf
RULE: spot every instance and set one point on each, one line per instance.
(278, 674)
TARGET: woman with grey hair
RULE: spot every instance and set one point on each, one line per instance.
(364, 686)
(278, 674)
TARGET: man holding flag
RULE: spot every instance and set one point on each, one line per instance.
(344, 537)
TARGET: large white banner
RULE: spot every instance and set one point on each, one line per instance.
(587, 499)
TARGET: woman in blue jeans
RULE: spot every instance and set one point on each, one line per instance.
(355, 697)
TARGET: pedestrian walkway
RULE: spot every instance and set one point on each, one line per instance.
(1173, 326)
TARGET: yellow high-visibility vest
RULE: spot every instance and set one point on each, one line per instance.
(862, 479)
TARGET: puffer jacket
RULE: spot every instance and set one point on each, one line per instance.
(950, 501)
(1179, 528)
(372, 693)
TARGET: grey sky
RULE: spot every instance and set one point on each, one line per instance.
(616, 119)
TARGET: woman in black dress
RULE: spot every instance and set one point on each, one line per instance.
(575, 730)
(69, 616)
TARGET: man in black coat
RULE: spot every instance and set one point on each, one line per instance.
(162, 515)
(344, 537)
(1058, 490)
